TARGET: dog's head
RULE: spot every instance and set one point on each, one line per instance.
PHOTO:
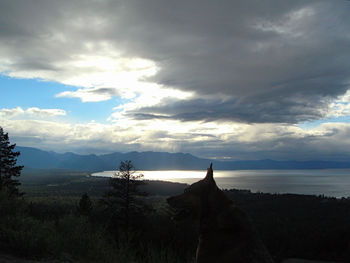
(194, 199)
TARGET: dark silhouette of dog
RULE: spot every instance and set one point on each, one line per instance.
(226, 234)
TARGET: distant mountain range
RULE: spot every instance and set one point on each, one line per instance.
(36, 158)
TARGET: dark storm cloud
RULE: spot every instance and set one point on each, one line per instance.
(267, 75)
(249, 110)
(104, 91)
(248, 61)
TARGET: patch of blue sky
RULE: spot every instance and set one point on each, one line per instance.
(26, 93)
(314, 124)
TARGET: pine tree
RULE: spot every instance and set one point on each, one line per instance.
(85, 205)
(8, 168)
(122, 198)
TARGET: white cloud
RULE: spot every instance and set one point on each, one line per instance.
(9, 113)
(101, 76)
(155, 95)
(31, 112)
(45, 112)
(123, 76)
(340, 107)
(229, 140)
(89, 94)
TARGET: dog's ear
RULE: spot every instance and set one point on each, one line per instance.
(210, 175)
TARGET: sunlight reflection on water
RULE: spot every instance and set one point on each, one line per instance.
(330, 182)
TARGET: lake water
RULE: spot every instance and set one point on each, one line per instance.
(330, 182)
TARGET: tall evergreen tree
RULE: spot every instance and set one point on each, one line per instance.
(85, 205)
(9, 171)
(122, 198)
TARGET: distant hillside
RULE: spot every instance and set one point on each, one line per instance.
(35, 158)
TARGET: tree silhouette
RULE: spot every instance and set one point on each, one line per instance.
(8, 168)
(85, 205)
(122, 198)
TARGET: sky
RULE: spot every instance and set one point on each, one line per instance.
(231, 80)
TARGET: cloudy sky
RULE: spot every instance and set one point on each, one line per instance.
(218, 79)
